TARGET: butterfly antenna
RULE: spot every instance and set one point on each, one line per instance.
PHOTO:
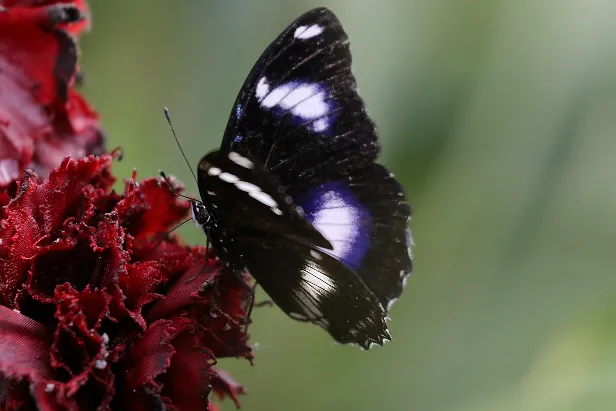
(178, 143)
(171, 188)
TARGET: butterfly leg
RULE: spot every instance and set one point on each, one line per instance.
(265, 303)
(166, 237)
(207, 247)
(251, 295)
(201, 270)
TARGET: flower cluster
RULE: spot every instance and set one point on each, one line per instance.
(99, 309)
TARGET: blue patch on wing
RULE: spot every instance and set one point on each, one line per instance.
(337, 213)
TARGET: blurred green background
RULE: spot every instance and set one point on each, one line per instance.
(498, 117)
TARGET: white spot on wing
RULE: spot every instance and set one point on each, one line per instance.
(312, 275)
(320, 125)
(247, 187)
(304, 100)
(240, 160)
(214, 171)
(306, 32)
(262, 88)
(251, 189)
(263, 198)
(228, 177)
(274, 97)
(337, 220)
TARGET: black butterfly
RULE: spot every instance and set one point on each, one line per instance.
(294, 195)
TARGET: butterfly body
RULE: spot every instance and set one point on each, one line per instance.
(294, 195)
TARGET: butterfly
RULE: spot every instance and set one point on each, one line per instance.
(294, 195)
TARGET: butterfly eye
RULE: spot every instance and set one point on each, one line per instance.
(200, 214)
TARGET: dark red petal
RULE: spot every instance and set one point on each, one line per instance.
(225, 386)
(139, 284)
(23, 347)
(192, 362)
(152, 208)
(227, 335)
(166, 209)
(108, 242)
(18, 239)
(151, 356)
(185, 290)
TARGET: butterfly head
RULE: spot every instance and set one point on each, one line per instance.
(200, 215)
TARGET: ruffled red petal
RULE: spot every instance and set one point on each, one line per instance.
(49, 220)
(23, 346)
(225, 386)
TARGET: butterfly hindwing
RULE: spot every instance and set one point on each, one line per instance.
(299, 111)
(312, 286)
(365, 217)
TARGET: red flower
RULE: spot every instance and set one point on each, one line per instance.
(93, 314)
(95, 311)
(42, 119)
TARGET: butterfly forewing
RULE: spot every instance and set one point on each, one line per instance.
(239, 193)
(299, 110)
